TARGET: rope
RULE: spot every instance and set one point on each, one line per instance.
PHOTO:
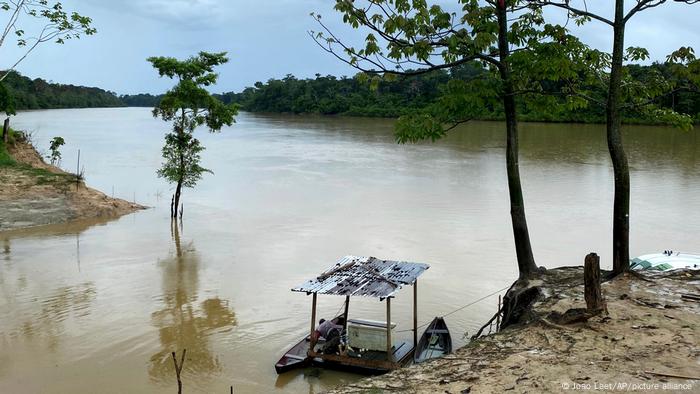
(460, 308)
(338, 311)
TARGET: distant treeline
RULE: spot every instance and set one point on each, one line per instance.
(352, 96)
(38, 94)
(330, 95)
(140, 100)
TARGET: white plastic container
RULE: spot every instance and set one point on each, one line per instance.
(368, 334)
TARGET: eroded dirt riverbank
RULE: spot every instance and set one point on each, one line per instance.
(650, 330)
(34, 193)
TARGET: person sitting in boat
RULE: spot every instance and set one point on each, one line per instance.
(330, 330)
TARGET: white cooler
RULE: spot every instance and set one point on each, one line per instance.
(368, 334)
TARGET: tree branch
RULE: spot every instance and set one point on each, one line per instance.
(576, 11)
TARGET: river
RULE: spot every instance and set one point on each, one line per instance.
(98, 306)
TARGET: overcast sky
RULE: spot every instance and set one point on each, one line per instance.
(264, 38)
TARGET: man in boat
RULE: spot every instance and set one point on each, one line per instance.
(331, 331)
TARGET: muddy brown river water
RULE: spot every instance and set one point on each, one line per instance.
(98, 306)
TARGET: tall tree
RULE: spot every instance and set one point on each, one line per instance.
(189, 105)
(413, 37)
(54, 25)
(615, 105)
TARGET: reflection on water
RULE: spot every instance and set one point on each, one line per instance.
(46, 324)
(51, 230)
(291, 194)
(42, 318)
(184, 322)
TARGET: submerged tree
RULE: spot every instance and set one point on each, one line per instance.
(189, 105)
(413, 37)
(623, 94)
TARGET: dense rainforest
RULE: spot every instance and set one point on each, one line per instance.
(352, 96)
(141, 100)
(330, 95)
(39, 94)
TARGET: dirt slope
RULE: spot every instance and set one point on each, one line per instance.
(34, 193)
(648, 328)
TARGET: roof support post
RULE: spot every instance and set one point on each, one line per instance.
(415, 315)
(313, 318)
(389, 353)
(345, 315)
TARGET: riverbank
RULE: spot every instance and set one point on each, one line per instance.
(35, 193)
(649, 331)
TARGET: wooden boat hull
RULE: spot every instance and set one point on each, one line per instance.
(373, 363)
(369, 363)
(294, 358)
(435, 342)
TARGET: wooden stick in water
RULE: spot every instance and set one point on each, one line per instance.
(178, 369)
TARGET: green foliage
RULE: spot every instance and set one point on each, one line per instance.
(51, 21)
(5, 159)
(520, 54)
(470, 91)
(182, 157)
(189, 105)
(140, 100)
(39, 94)
(7, 101)
(54, 146)
(417, 127)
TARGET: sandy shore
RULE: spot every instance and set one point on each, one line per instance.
(649, 329)
(35, 193)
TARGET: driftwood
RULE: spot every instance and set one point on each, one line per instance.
(672, 375)
(690, 297)
(571, 316)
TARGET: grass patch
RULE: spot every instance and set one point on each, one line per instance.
(42, 175)
(5, 159)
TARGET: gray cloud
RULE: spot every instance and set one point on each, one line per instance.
(264, 38)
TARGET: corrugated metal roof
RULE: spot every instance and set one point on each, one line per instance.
(364, 277)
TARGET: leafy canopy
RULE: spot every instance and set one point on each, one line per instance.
(639, 97)
(182, 157)
(7, 101)
(409, 37)
(189, 105)
(188, 102)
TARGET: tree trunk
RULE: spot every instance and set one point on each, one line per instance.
(176, 201)
(621, 204)
(181, 148)
(6, 130)
(523, 248)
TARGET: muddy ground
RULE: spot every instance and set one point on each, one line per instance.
(649, 330)
(35, 193)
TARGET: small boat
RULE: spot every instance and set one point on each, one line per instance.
(296, 357)
(435, 341)
(374, 349)
(666, 261)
